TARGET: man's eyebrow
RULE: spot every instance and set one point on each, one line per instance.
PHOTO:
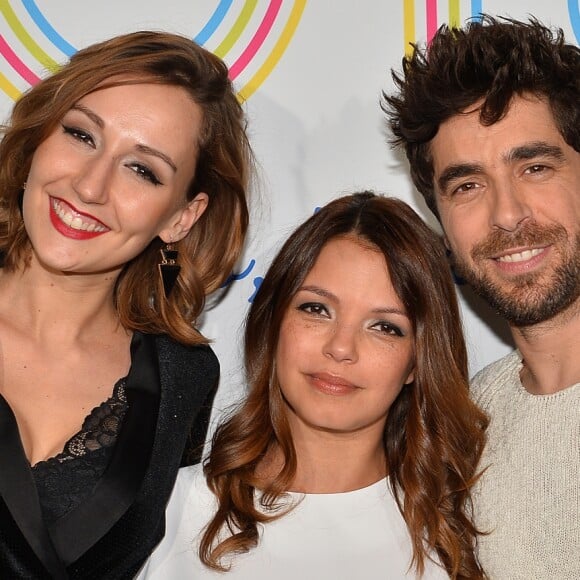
(457, 171)
(533, 150)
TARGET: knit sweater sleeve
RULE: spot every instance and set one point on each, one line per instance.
(528, 498)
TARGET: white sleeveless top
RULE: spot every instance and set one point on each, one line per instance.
(342, 536)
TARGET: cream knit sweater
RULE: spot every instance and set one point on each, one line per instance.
(529, 497)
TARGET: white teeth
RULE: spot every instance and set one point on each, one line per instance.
(75, 222)
(521, 256)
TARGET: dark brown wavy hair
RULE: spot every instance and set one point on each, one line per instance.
(224, 165)
(492, 61)
(434, 433)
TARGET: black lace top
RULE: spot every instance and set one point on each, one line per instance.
(65, 480)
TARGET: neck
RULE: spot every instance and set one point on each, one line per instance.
(51, 306)
(331, 462)
(550, 352)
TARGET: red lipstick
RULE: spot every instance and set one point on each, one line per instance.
(72, 223)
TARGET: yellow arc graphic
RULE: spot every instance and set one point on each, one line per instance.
(225, 46)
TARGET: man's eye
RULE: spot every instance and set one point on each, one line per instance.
(465, 187)
(537, 168)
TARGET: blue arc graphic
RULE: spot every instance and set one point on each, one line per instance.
(68, 49)
(574, 11)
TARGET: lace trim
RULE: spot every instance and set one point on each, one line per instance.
(99, 430)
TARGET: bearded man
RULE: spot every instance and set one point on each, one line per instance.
(489, 117)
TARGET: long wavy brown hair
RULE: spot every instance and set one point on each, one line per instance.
(224, 166)
(434, 433)
(489, 60)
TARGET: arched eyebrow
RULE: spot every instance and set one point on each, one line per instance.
(90, 114)
(535, 149)
(140, 146)
(151, 151)
(323, 293)
(319, 291)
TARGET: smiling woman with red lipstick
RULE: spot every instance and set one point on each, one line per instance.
(117, 177)
(355, 451)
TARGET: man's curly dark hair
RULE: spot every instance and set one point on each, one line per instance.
(490, 60)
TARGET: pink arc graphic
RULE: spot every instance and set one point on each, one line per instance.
(269, 24)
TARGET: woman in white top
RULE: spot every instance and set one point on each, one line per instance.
(355, 450)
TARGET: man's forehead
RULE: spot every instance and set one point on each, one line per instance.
(527, 120)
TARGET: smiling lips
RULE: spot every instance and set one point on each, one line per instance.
(521, 256)
(331, 384)
(72, 223)
(522, 261)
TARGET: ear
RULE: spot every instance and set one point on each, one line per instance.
(184, 219)
(411, 376)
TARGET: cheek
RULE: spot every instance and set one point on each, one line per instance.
(460, 237)
(142, 215)
(390, 371)
(295, 352)
(288, 347)
(386, 397)
(51, 157)
(38, 170)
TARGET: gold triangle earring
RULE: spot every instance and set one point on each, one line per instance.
(168, 267)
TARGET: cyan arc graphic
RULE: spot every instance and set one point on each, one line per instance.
(46, 28)
(247, 54)
(432, 18)
(213, 23)
(454, 17)
(574, 11)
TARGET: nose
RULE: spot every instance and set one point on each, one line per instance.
(341, 344)
(92, 180)
(509, 207)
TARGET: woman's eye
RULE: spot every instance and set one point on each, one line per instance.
(313, 308)
(145, 173)
(388, 328)
(79, 135)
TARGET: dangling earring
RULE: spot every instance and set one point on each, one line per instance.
(169, 268)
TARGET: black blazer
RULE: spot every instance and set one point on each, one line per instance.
(170, 389)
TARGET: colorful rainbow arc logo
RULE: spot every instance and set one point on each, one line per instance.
(224, 8)
(432, 18)
(454, 19)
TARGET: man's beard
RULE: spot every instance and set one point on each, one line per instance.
(526, 299)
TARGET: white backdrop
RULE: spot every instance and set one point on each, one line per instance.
(311, 74)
